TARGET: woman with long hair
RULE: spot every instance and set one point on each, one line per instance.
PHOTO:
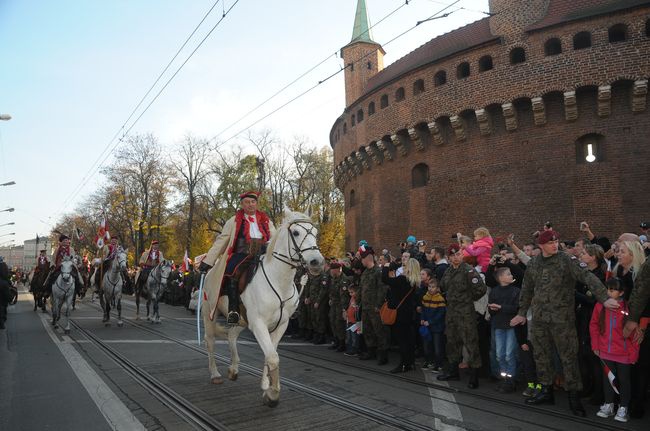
(401, 296)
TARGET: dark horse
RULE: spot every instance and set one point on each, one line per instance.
(36, 285)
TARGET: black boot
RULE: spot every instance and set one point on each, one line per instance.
(371, 353)
(543, 396)
(341, 347)
(382, 357)
(233, 302)
(319, 338)
(450, 373)
(473, 378)
(575, 405)
(401, 368)
(334, 345)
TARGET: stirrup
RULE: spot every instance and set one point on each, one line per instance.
(233, 318)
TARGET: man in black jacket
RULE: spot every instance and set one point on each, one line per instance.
(5, 291)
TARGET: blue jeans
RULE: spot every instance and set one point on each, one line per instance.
(506, 346)
(352, 342)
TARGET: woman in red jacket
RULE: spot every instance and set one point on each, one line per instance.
(617, 352)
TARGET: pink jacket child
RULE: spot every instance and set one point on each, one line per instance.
(609, 340)
(481, 248)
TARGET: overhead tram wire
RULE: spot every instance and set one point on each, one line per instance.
(434, 16)
(311, 69)
(125, 132)
(92, 167)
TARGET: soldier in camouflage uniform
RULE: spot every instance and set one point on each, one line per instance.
(372, 295)
(548, 289)
(338, 284)
(461, 285)
(304, 315)
(318, 297)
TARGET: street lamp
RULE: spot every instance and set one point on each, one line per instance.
(7, 234)
(5, 117)
(7, 224)
(8, 210)
(10, 183)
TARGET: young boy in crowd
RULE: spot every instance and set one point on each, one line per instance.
(433, 320)
(503, 303)
(352, 317)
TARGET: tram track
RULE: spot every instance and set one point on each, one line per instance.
(163, 393)
(373, 414)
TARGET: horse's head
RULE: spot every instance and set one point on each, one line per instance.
(121, 258)
(301, 241)
(165, 270)
(66, 268)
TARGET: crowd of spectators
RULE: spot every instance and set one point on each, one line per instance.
(552, 314)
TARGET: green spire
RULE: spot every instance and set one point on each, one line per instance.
(361, 31)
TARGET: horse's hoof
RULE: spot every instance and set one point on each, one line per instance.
(232, 375)
(216, 381)
(107, 324)
(120, 324)
(269, 402)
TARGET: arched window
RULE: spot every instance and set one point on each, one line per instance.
(462, 71)
(582, 40)
(553, 46)
(371, 108)
(418, 86)
(345, 128)
(353, 120)
(617, 33)
(590, 148)
(419, 175)
(383, 102)
(399, 94)
(360, 115)
(485, 63)
(517, 55)
(440, 78)
(353, 200)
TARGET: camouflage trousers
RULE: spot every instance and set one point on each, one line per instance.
(319, 318)
(375, 334)
(462, 331)
(547, 335)
(304, 316)
(337, 323)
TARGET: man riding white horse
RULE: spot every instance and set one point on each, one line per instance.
(241, 242)
(148, 261)
(107, 254)
(64, 249)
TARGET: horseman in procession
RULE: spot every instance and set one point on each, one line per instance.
(148, 261)
(106, 255)
(63, 250)
(237, 248)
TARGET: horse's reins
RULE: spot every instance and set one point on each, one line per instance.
(282, 257)
(108, 275)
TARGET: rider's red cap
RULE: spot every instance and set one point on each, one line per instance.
(250, 194)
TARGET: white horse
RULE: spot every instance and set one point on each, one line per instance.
(112, 287)
(154, 288)
(63, 291)
(270, 299)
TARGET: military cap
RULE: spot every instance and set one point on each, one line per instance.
(63, 237)
(155, 241)
(250, 194)
(335, 265)
(546, 236)
(365, 251)
(453, 249)
(645, 225)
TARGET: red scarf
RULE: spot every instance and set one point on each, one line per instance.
(262, 222)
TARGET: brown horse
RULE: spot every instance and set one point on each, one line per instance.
(36, 281)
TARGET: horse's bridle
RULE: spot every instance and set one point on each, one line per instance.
(68, 283)
(119, 263)
(295, 258)
(158, 270)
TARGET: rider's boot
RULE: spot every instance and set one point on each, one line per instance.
(233, 302)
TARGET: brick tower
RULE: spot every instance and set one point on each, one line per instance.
(363, 56)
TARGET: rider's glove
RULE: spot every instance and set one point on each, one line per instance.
(204, 267)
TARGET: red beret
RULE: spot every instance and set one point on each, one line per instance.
(367, 250)
(155, 241)
(335, 265)
(250, 194)
(546, 236)
(453, 249)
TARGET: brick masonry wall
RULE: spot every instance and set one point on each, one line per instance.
(508, 180)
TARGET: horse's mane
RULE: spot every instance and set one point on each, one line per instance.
(288, 219)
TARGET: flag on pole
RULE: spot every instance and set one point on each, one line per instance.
(610, 376)
(103, 234)
(37, 239)
(186, 263)
(78, 235)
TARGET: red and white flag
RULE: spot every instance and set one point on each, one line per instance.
(186, 263)
(103, 234)
(610, 376)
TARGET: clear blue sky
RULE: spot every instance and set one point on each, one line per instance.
(72, 71)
